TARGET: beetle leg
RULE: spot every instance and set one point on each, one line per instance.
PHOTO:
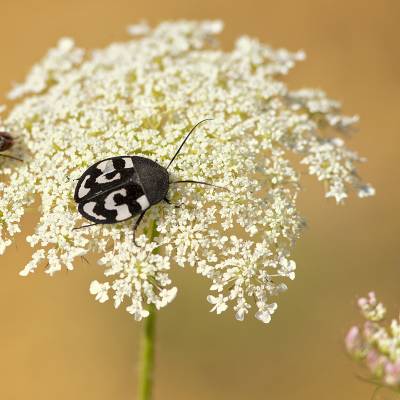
(168, 201)
(135, 226)
(84, 226)
(12, 157)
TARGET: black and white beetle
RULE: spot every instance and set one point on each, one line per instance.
(118, 188)
(6, 142)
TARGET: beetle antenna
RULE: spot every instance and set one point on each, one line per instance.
(8, 156)
(186, 138)
(201, 183)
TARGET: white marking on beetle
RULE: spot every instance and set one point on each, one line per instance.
(83, 190)
(128, 162)
(144, 202)
(104, 179)
(106, 166)
(122, 209)
(89, 210)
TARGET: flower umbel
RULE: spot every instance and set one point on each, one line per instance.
(140, 98)
(376, 346)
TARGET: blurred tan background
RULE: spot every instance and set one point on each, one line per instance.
(58, 343)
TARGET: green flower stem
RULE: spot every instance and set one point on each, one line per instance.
(147, 345)
(146, 361)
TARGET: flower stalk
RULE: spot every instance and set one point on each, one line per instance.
(146, 360)
(147, 345)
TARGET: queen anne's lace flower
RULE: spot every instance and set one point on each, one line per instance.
(140, 98)
(375, 345)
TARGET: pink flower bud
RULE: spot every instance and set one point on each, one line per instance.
(392, 373)
(353, 341)
(375, 362)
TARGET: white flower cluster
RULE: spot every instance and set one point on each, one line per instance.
(140, 98)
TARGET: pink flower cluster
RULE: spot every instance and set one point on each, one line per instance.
(376, 345)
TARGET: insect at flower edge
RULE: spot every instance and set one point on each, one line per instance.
(118, 188)
(6, 142)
